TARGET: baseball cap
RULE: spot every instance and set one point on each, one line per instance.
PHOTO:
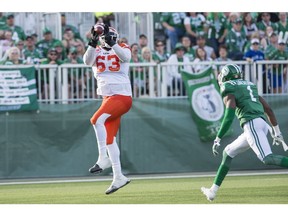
(52, 50)
(255, 40)
(10, 15)
(57, 43)
(179, 46)
(46, 31)
(281, 41)
(73, 50)
(238, 20)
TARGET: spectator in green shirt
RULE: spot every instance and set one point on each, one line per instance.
(47, 43)
(217, 30)
(265, 21)
(174, 26)
(236, 40)
(159, 54)
(2, 21)
(31, 53)
(17, 31)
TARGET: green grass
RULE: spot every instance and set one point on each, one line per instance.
(263, 189)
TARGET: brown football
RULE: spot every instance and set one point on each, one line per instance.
(99, 29)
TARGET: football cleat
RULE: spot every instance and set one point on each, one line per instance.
(100, 165)
(117, 183)
(210, 195)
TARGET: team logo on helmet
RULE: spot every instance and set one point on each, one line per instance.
(230, 72)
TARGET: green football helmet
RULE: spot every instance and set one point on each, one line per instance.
(230, 72)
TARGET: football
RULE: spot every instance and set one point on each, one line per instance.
(99, 29)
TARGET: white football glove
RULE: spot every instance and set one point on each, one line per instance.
(216, 146)
(277, 140)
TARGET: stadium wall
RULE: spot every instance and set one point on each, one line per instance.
(156, 136)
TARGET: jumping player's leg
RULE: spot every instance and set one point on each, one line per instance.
(232, 150)
(103, 161)
(119, 180)
(111, 108)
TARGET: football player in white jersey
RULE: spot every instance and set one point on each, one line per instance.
(110, 65)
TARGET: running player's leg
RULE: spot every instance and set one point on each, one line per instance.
(256, 131)
(232, 150)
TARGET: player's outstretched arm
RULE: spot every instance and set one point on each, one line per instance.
(277, 136)
(229, 114)
(269, 112)
(227, 121)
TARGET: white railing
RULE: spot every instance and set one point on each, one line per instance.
(75, 82)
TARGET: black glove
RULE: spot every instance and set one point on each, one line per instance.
(106, 29)
(108, 37)
(94, 38)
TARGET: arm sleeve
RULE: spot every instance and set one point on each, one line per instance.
(123, 52)
(227, 122)
(89, 56)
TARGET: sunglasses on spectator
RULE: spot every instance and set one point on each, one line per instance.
(255, 44)
(264, 15)
(159, 45)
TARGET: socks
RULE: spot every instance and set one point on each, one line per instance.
(114, 155)
(214, 188)
(223, 169)
(101, 146)
(284, 162)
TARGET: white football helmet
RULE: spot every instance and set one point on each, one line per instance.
(113, 34)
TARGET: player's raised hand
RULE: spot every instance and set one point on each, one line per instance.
(216, 146)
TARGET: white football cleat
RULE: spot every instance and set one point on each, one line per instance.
(117, 183)
(100, 165)
(210, 195)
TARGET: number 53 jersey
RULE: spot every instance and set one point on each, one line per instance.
(246, 96)
(111, 69)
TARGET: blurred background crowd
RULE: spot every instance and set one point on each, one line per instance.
(172, 37)
(198, 36)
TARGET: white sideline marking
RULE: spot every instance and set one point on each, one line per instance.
(140, 177)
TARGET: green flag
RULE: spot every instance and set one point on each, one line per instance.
(18, 89)
(206, 102)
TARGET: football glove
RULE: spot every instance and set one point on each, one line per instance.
(94, 38)
(277, 140)
(216, 146)
(108, 38)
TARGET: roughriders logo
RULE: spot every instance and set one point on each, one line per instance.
(207, 103)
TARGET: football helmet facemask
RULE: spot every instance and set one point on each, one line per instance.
(113, 34)
(230, 72)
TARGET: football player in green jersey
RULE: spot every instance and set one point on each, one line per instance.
(241, 99)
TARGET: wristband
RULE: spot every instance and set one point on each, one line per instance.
(276, 130)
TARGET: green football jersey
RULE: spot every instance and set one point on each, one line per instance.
(246, 96)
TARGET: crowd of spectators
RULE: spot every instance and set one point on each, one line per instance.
(189, 37)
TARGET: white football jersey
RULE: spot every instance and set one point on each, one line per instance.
(111, 69)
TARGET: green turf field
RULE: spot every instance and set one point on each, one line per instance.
(260, 189)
